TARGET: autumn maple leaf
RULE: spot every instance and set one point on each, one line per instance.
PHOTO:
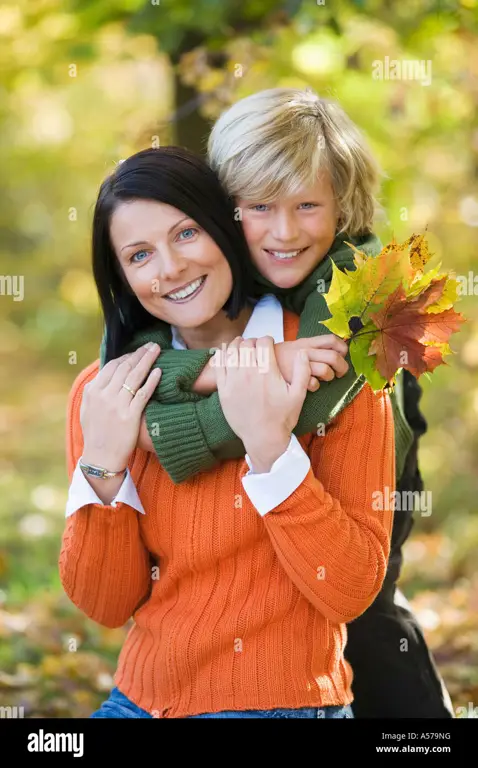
(394, 311)
(354, 294)
(410, 336)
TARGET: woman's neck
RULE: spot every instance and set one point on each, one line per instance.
(217, 331)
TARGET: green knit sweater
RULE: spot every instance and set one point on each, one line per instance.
(190, 432)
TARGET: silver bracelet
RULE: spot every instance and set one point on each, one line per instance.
(100, 472)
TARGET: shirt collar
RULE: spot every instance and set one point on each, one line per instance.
(267, 319)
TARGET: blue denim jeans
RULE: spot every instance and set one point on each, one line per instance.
(118, 705)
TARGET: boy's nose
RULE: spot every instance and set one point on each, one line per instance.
(284, 228)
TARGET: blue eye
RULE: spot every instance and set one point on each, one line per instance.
(138, 253)
(262, 206)
(189, 229)
(312, 205)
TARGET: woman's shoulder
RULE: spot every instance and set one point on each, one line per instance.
(367, 411)
(291, 325)
(83, 378)
(362, 433)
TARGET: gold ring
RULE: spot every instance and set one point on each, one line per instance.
(129, 389)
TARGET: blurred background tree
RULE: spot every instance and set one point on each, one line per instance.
(87, 83)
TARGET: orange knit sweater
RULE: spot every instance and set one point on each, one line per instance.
(232, 610)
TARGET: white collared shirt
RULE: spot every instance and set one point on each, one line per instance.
(266, 491)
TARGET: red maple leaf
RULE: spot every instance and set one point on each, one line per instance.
(405, 325)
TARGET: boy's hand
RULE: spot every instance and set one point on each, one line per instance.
(144, 439)
(326, 358)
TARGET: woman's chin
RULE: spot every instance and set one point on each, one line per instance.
(186, 315)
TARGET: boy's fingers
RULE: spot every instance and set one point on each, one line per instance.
(328, 341)
(331, 358)
(322, 371)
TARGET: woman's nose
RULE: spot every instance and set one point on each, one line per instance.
(171, 265)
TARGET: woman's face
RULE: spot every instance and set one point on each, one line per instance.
(288, 238)
(172, 265)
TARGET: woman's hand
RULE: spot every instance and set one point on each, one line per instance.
(110, 415)
(326, 357)
(259, 404)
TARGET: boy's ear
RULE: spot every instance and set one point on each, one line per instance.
(338, 216)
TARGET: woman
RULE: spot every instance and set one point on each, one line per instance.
(241, 580)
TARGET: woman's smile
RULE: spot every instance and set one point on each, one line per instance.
(186, 292)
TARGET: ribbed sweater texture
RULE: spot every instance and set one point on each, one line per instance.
(231, 610)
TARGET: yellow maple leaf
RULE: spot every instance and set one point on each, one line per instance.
(448, 297)
(419, 253)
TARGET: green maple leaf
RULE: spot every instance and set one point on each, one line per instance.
(389, 305)
(363, 362)
(342, 301)
(354, 295)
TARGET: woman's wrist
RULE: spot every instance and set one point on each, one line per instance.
(100, 459)
(106, 488)
(263, 453)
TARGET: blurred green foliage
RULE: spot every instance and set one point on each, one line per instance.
(87, 83)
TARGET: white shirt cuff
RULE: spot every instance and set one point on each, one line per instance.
(266, 491)
(81, 493)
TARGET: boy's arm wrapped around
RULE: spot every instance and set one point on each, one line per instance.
(193, 435)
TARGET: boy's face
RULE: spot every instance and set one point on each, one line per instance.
(289, 237)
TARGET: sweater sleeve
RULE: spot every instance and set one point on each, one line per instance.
(104, 566)
(191, 437)
(180, 368)
(332, 535)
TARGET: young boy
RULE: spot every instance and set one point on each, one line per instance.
(304, 184)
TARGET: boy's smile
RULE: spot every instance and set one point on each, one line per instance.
(285, 255)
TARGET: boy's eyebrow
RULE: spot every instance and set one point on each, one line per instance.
(143, 242)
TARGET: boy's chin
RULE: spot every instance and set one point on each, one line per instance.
(289, 279)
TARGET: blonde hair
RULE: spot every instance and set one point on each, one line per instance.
(275, 141)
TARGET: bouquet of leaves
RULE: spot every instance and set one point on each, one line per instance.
(394, 312)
